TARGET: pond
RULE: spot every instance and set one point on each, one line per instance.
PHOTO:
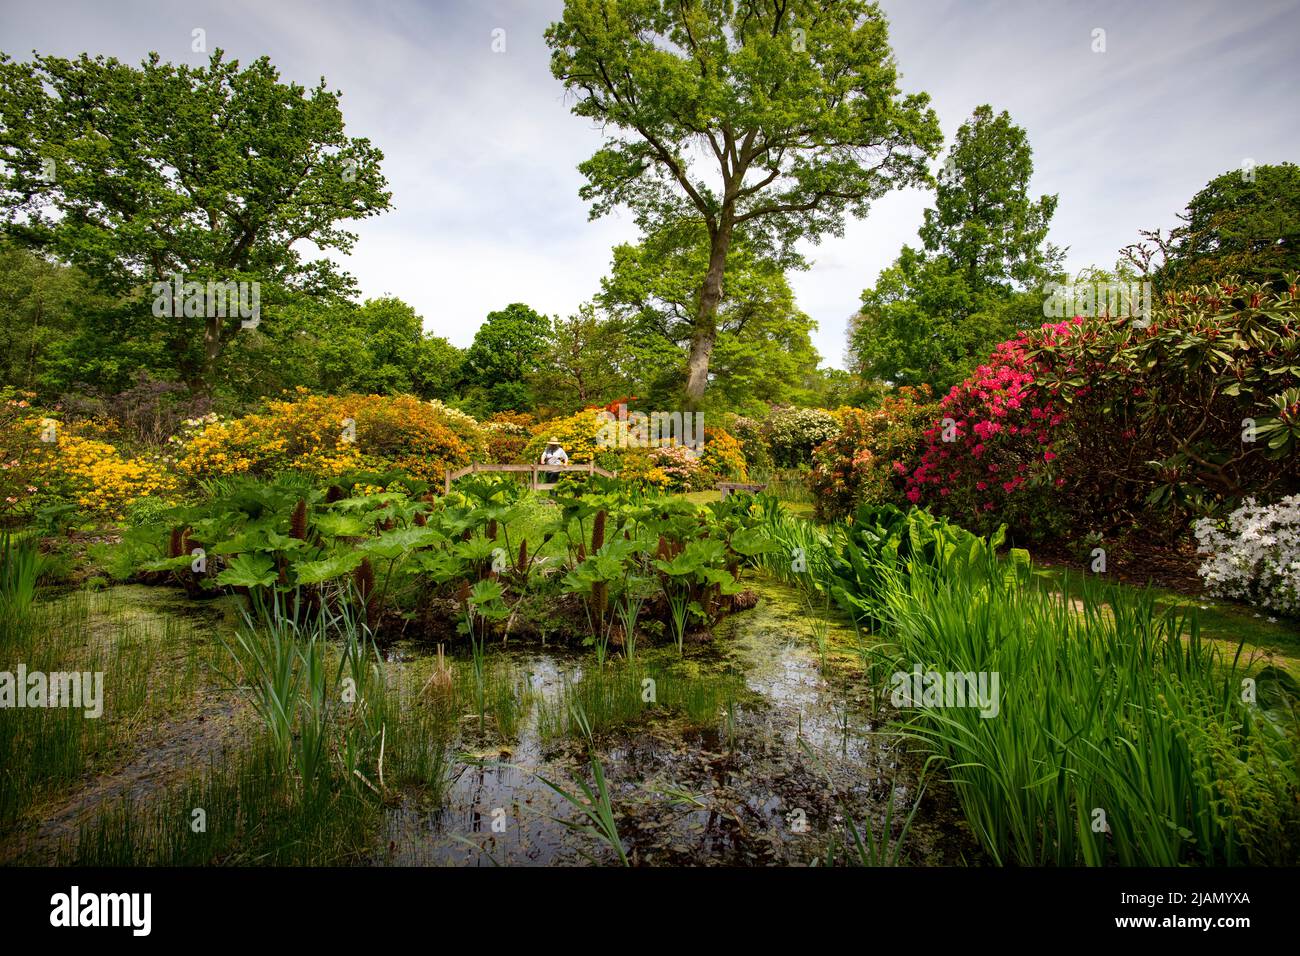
(765, 745)
(789, 759)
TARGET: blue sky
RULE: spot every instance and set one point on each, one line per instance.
(481, 149)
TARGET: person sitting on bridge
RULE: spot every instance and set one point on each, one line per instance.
(554, 455)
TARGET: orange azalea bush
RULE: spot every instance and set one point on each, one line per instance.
(329, 435)
(44, 461)
(872, 454)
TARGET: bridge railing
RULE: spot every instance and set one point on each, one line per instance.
(533, 471)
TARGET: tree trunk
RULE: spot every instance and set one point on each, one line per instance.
(211, 350)
(705, 334)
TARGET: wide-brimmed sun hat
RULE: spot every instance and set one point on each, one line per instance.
(552, 441)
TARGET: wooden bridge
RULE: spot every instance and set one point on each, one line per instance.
(533, 471)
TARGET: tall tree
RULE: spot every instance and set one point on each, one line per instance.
(937, 311)
(763, 352)
(506, 348)
(776, 118)
(983, 218)
(586, 362)
(215, 173)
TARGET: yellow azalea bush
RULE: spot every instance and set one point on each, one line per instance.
(330, 435)
(45, 461)
(670, 467)
(724, 457)
(578, 435)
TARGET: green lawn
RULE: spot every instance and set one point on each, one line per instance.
(1224, 622)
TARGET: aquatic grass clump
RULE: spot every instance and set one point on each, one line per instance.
(20, 566)
(595, 807)
(46, 749)
(622, 696)
(250, 815)
(805, 551)
(1118, 735)
(325, 722)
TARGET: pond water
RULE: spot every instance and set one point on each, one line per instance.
(794, 750)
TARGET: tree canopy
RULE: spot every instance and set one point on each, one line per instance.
(776, 119)
(1245, 222)
(215, 173)
(937, 311)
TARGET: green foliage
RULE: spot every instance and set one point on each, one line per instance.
(1113, 735)
(1244, 224)
(923, 324)
(586, 361)
(763, 353)
(1188, 415)
(883, 543)
(43, 303)
(505, 349)
(337, 346)
(213, 172)
(20, 564)
(806, 128)
(983, 220)
(934, 314)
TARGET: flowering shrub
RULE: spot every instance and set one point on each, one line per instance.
(722, 459)
(868, 461)
(989, 457)
(508, 434)
(683, 467)
(670, 467)
(578, 435)
(1254, 554)
(44, 462)
(1186, 415)
(1131, 425)
(752, 443)
(792, 433)
(641, 467)
(331, 435)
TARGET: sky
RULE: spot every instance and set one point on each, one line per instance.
(481, 149)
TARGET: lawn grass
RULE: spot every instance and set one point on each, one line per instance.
(1222, 622)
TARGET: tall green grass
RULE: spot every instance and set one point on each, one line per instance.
(1121, 737)
(152, 668)
(20, 568)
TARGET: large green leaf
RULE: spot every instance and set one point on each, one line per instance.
(249, 571)
(335, 566)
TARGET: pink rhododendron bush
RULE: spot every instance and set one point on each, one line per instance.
(1121, 426)
(991, 457)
